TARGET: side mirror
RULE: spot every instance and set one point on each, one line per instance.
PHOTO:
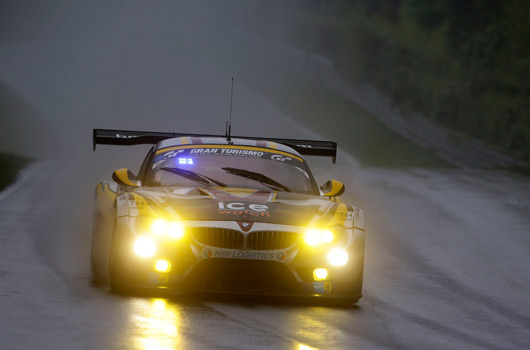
(333, 188)
(125, 177)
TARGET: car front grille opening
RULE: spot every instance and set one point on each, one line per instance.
(218, 237)
(271, 240)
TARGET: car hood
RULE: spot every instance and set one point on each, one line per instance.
(236, 204)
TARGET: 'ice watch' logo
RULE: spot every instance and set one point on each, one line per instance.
(244, 209)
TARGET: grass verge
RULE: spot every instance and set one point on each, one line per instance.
(357, 132)
(10, 165)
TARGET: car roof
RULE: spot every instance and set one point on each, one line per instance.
(192, 140)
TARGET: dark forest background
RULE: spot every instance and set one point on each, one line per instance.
(463, 63)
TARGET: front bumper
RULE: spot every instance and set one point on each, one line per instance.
(200, 268)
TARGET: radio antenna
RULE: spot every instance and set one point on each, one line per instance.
(229, 124)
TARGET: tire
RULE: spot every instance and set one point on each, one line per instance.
(96, 270)
(114, 285)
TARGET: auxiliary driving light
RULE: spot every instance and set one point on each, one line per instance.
(163, 266)
(315, 236)
(144, 247)
(320, 274)
(338, 257)
(173, 229)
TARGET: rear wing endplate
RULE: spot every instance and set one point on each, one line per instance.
(129, 138)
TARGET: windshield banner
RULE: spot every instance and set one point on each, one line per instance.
(188, 155)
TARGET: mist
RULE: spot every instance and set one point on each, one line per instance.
(134, 65)
(446, 233)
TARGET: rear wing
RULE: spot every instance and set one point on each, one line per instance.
(129, 138)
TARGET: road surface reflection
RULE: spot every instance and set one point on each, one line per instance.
(155, 324)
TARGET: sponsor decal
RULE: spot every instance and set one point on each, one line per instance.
(227, 152)
(166, 156)
(239, 208)
(163, 279)
(207, 253)
(237, 254)
(220, 151)
(322, 287)
(172, 154)
(281, 256)
(136, 204)
(327, 287)
(280, 158)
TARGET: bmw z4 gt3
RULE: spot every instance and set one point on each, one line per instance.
(242, 214)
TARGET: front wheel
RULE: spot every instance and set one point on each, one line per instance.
(98, 275)
(114, 284)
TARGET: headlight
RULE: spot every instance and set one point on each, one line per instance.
(160, 227)
(145, 247)
(337, 257)
(315, 236)
(172, 229)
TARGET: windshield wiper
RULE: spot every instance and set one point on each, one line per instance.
(263, 179)
(193, 176)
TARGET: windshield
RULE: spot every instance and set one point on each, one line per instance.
(230, 166)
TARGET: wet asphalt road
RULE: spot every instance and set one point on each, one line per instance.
(447, 250)
(446, 267)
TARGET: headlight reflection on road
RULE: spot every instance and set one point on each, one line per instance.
(156, 325)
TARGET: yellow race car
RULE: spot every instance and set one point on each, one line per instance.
(226, 214)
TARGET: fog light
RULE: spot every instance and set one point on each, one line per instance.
(320, 274)
(163, 266)
(338, 257)
(144, 247)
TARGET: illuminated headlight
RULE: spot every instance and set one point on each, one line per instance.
(315, 236)
(171, 229)
(337, 257)
(144, 247)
